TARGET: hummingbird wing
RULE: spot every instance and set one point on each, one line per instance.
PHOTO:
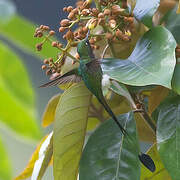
(71, 76)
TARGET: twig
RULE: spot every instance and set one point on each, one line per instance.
(146, 116)
(104, 52)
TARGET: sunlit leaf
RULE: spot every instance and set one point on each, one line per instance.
(160, 173)
(49, 113)
(44, 158)
(153, 56)
(24, 37)
(5, 167)
(69, 131)
(144, 11)
(157, 95)
(176, 80)
(168, 133)
(109, 155)
(27, 172)
(17, 96)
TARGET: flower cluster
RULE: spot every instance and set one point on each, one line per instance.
(111, 16)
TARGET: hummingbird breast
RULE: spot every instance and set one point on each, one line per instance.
(91, 73)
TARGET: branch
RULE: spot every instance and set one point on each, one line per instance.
(147, 118)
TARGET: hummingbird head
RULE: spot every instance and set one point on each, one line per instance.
(84, 49)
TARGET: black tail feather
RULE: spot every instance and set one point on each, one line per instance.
(147, 161)
(109, 111)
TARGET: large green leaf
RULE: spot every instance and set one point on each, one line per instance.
(144, 11)
(69, 131)
(168, 134)
(160, 173)
(109, 155)
(152, 61)
(176, 80)
(17, 96)
(5, 168)
(21, 31)
(172, 23)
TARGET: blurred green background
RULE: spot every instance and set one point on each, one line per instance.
(19, 148)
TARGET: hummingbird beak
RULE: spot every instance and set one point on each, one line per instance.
(87, 35)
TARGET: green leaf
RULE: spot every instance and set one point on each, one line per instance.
(152, 61)
(17, 96)
(160, 173)
(175, 79)
(69, 131)
(109, 155)
(172, 23)
(5, 167)
(24, 37)
(168, 134)
(144, 11)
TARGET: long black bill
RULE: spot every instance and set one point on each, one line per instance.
(87, 36)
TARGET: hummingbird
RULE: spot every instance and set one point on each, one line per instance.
(90, 72)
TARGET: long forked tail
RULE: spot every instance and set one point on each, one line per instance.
(109, 111)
